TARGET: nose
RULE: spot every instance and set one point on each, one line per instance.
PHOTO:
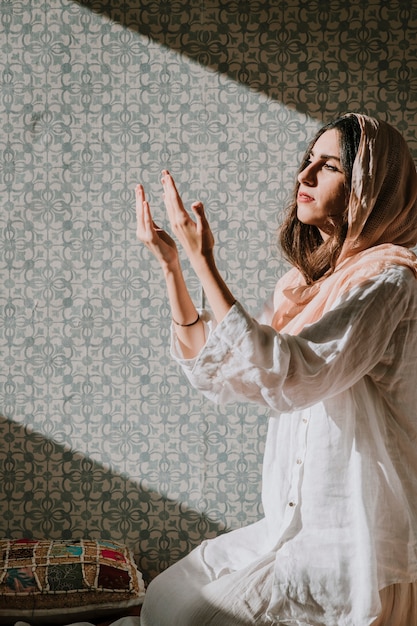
(307, 176)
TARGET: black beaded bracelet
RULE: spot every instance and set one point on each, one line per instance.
(187, 325)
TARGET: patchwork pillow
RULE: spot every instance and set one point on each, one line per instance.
(64, 581)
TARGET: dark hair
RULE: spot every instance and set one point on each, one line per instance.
(301, 243)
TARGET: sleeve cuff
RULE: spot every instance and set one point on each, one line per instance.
(219, 337)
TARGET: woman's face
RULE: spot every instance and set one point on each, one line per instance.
(321, 198)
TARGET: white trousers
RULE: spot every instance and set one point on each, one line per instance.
(186, 595)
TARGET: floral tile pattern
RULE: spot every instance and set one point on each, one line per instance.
(101, 435)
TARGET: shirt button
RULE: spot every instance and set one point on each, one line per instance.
(305, 420)
(299, 461)
(291, 503)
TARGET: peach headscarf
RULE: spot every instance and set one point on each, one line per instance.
(382, 226)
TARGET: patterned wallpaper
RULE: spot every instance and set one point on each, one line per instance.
(101, 435)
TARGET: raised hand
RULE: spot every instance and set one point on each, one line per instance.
(158, 241)
(195, 237)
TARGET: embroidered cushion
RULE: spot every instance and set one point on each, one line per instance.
(61, 581)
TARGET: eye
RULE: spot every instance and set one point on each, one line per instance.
(331, 168)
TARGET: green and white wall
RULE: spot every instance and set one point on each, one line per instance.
(101, 436)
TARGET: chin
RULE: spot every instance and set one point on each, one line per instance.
(308, 220)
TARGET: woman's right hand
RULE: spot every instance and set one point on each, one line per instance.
(195, 236)
(158, 241)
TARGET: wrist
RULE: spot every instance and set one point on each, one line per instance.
(193, 323)
(172, 268)
(204, 263)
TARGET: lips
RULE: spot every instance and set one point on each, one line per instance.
(304, 197)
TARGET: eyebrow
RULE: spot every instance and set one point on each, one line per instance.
(326, 156)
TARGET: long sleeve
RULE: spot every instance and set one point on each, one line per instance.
(340, 468)
(247, 361)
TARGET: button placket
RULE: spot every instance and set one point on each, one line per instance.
(298, 470)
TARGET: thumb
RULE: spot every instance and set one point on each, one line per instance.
(198, 210)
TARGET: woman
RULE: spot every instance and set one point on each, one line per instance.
(336, 363)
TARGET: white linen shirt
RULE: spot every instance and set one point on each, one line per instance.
(340, 467)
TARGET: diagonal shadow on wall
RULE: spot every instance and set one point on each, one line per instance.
(48, 490)
(253, 44)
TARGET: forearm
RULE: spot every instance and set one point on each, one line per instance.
(217, 292)
(184, 313)
(188, 327)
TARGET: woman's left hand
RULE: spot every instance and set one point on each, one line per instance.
(195, 237)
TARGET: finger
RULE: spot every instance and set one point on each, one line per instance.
(172, 198)
(145, 224)
(147, 220)
(140, 199)
(198, 210)
(140, 193)
(198, 207)
(140, 225)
